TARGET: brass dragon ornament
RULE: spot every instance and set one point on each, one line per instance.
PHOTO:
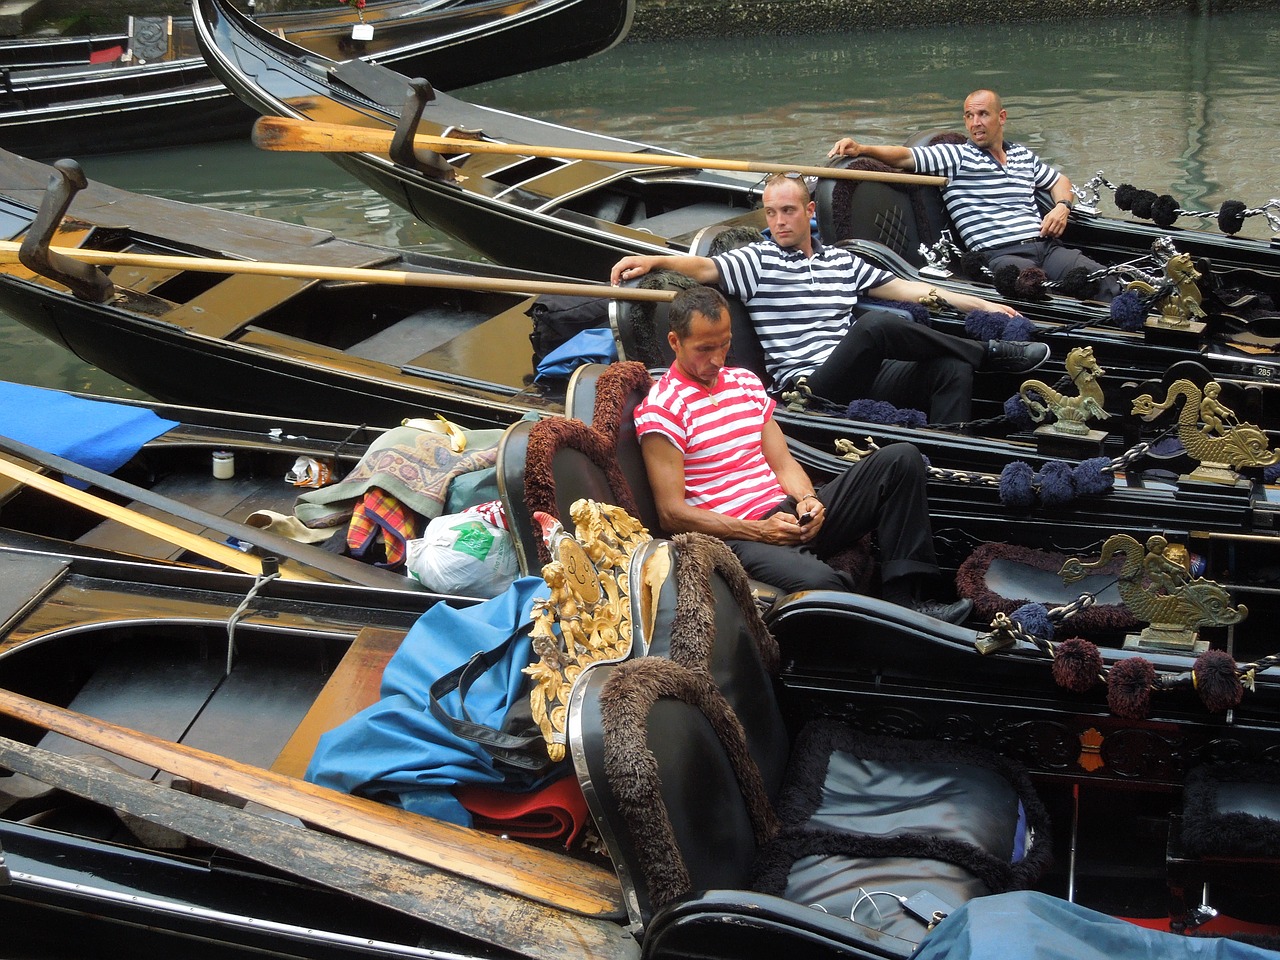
(1072, 413)
(1179, 295)
(1210, 431)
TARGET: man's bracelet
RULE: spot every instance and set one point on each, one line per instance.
(1066, 203)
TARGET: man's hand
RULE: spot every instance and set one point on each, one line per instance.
(785, 530)
(1054, 223)
(629, 268)
(845, 147)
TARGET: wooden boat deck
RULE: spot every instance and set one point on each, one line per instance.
(352, 687)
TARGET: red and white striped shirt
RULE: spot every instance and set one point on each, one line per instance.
(720, 434)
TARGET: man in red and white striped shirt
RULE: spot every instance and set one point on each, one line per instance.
(718, 464)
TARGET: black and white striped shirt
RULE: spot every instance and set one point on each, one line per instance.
(800, 307)
(991, 205)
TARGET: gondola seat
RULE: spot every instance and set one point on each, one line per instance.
(1001, 577)
(699, 791)
(1227, 836)
(898, 217)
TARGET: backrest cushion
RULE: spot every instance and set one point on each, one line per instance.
(718, 631)
(563, 460)
(684, 807)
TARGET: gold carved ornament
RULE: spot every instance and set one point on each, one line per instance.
(589, 617)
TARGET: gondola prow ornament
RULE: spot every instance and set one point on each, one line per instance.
(1210, 432)
(1161, 590)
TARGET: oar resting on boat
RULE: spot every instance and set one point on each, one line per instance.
(453, 901)
(291, 134)
(526, 871)
(324, 565)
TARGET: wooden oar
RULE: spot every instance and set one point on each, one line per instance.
(312, 271)
(218, 552)
(292, 134)
(337, 568)
(435, 897)
(548, 878)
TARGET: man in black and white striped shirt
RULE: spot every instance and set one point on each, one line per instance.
(991, 193)
(801, 296)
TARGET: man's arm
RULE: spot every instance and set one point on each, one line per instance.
(665, 467)
(914, 290)
(701, 269)
(1054, 223)
(899, 158)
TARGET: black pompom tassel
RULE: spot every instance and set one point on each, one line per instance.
(1030, 284)
(1143, 201)
(1076, 665)
(1076, 283)
(1006, 281)
(1231, 216)
(1165, 210)
(1124, 196)
(1217, 681)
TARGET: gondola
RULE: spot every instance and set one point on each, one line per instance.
(159, 92)
(573, 212)
(306, 349)
(143, 823)
(338, 346)
(165, 484)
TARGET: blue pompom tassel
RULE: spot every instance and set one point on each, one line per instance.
(1128, 311)
(1056, 487)
(1016, 488)
(1034, 619)
(1090, 477)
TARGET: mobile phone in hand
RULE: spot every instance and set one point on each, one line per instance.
(805, 518)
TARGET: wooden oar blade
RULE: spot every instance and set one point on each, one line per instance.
(305, 136)
(525, 871)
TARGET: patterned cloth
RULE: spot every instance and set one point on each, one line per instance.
(380, 516)
(415, 466)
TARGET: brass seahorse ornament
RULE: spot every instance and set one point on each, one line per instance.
(1161, 590)
(1210, 431)
(1072, 413)
(1179, 295)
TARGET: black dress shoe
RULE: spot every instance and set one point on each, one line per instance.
(957, 612)
(1014, 356)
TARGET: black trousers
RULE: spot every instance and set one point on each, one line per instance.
(885, 493)
(1054, 259)
(885, 356)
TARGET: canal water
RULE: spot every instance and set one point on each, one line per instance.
(1183, 105)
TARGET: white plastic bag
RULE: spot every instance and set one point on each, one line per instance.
(463, 553)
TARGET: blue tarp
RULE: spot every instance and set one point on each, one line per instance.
(593, 345)
(395, 750)
(1035, 926)
(94, 433)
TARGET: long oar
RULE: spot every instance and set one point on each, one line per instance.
(335, 567)
(312, 271)
(292, 134)
(218, 552)
(514, 867)
(443, 900)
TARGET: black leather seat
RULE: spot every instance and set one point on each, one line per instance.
(1228, 837)
(699, 791)
(546, 466)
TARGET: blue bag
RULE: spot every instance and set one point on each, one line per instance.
(401, 751)
(594, 345)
